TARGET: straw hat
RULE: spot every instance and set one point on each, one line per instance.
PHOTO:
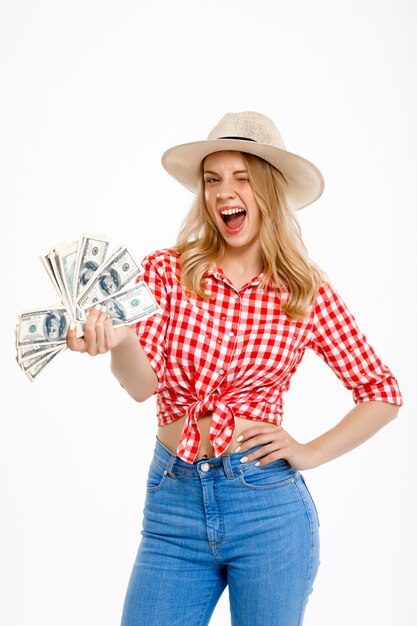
(256, 134)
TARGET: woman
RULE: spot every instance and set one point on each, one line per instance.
(240, 302)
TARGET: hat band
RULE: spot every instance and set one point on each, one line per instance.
(241, 138)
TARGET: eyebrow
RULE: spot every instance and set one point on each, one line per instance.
(235, 172)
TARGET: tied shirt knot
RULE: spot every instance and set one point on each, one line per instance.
(222, 426)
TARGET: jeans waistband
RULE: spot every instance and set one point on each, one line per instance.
(226, 465)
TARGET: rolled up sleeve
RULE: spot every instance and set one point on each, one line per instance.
(336, 338)
(152, 332)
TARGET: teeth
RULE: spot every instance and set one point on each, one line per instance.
(232, 211)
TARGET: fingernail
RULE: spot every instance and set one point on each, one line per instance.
(72, 326)
(239, 438)
(98, 307)
(238, 448)
(103, 309)
(243, 459)
(257, 464)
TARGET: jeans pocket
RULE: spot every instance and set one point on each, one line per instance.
(269, 476)
(156, 477)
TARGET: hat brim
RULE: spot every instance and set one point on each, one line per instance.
(305, 182)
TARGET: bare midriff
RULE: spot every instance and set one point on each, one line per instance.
(170, 435)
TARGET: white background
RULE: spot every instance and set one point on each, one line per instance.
(92, 93)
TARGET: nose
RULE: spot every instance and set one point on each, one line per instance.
(225, 190)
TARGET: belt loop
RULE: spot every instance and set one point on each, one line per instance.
(227, 466)
(170, 465)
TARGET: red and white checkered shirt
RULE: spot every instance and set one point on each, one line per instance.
(234, 354)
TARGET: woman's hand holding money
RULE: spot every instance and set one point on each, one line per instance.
(81, 275)
(99, 334)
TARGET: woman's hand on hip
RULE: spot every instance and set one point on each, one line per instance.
(276, 444)
(99, 334)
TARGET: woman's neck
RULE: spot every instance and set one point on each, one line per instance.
(241, 266)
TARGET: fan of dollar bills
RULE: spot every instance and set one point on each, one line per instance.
(83, 276)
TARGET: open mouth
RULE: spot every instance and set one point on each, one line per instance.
(233, 217)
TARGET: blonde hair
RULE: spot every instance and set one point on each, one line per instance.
(284, 255)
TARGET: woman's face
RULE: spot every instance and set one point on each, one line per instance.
(230, 200)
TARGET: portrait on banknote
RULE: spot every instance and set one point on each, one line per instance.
(115, 310)
(86, 272)
(109, 282)
(55, 326)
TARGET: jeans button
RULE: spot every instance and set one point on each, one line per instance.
(205, 467)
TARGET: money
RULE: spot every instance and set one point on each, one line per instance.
(28, 351)
(91, 253)
(131, 305)
(60, 266)
(66, 258)
(35, 368)
(27, 362)
(40, 336)
(82, 277)
(71, 265)
(43, 326)
(110, 278)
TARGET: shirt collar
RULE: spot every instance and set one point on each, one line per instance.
(216, 271)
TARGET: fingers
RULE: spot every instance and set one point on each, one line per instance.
(74, 344)
(110, 333)
(266, 454)
(94, 333)
(100, 333)
(97, 327)
(258, 435)
(271, 438)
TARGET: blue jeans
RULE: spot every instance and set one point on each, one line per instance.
(219, 522)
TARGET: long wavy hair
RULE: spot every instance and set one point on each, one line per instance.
(284, 255)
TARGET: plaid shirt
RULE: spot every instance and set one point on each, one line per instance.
(235, 353)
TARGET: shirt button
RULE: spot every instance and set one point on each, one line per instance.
(205, 467)
(224, 317)
(231, 334)
(235, 296)
(221, 371)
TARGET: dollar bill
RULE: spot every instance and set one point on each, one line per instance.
(66, 255)
(28, 362)
(60, 266)
(54, 264)
(44, 326)
(49, 270)
(119, 270)
(37, 368)
(91, 253)
(131, 305)
(31, 351)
